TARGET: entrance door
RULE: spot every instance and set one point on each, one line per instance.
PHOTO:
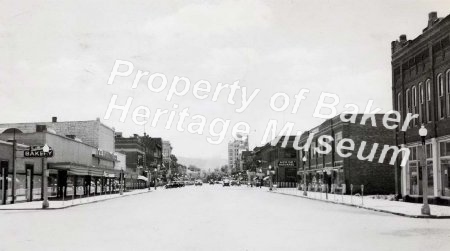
(29, 181)
(4, 181)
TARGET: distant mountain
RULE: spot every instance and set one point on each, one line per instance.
(204, 164)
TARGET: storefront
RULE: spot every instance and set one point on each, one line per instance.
(438, 168)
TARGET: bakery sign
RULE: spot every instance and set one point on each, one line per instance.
(287, 163)
(38, 152)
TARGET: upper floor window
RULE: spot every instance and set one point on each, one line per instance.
(421, 94)
(313, 149)
(408, 100)
(441, 100)
(421, 102)
(428, 98)
(447, 78)
(414, 103)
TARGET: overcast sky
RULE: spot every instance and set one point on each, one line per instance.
(56, 57)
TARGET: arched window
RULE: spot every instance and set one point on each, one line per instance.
(414, 103)
(447, 79)
(441, 98)
(428, 98)
(421, 103)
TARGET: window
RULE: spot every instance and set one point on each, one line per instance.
(429, 151)
(408, 102)
(428, 98)
(408, 99)
(337, 137)
(414, 103)
(313, 149)
(421, 103)
(441, 101)
(399, 103)
(447, 78)
(445, 149)
(413, 153)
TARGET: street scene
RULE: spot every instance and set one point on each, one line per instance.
(225, 125)
(213, 217)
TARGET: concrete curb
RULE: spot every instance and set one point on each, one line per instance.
(68, 206)
(369, 208)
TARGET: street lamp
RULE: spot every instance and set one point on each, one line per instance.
(270, 179)
(304, 176)
(45, 204)
(156, 170)
(425, 207)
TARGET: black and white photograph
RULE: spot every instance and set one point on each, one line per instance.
(224, 125)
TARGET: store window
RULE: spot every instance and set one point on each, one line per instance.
(414, 187)
(415, 170)
(445, 167)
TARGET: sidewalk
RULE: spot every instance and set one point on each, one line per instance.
(366, 202)
(37, 205)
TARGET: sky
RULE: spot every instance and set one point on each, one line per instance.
(56, 58)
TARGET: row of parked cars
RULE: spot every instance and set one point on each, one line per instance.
(175, 184)
(225, 182)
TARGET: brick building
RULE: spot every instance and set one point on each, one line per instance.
(421, 85)
(282, 160)
(336, 172)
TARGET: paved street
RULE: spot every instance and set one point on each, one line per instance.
(217, 218)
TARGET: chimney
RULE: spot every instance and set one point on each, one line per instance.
(54, 119)
(403, 38)
(432, 17)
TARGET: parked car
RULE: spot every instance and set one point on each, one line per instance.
(170, 185)
(198, 183)
(226, 183)
(211, 182)
(235, 183)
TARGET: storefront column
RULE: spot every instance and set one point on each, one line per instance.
(436, 167)
(75, 179)
(403, 175)
(95, 182)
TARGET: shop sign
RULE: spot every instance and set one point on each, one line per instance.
(287, 163)
(105, 155)
(38, 152)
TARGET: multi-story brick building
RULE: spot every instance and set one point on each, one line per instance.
(235, 149)
(421, 85)
(282, 160)
(337, 171)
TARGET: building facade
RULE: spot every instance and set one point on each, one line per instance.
(337, 171)
(235, 149)
(79, 166)
(91, 132)
(421, 85)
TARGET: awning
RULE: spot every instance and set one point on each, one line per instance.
(140, 177)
